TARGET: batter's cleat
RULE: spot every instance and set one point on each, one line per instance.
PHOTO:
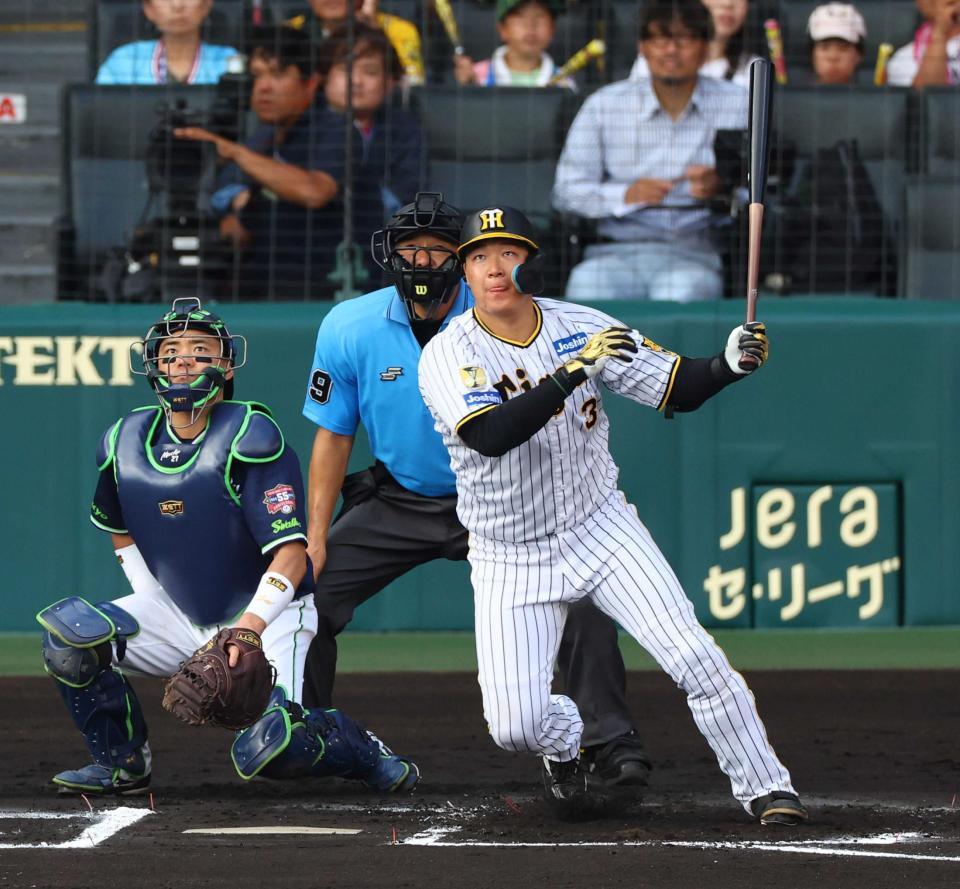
(393, 774)
(620, 763)
(565, 790)
(130, 776)
(779, 807)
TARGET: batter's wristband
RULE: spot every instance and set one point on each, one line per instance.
(141, 579)
(274, 593)
(568, 381)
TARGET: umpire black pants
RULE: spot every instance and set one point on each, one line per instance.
(385, 530)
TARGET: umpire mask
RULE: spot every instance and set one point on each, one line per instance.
(429, 284)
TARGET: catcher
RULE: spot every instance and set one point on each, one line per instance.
(231, 631)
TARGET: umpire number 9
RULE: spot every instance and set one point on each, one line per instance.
(320, 386)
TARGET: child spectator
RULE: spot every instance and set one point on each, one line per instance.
(837, 34)
(177, 56)
(731, 47)
(526, 29)
(392, 145)
(330, 15)
(933, 58)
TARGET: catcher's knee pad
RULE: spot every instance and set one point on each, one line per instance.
(277, 745)
(77, 637)
(290, 742)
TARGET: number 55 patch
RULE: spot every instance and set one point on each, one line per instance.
(321, 385)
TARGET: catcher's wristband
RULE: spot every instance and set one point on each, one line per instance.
(141, 579)
(274, 593)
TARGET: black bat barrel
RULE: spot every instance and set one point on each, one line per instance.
(761, 104)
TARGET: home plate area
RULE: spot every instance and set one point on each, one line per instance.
(874, 755)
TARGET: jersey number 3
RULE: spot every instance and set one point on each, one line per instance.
(320, 386)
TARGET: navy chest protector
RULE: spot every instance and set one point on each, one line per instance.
(184, 514)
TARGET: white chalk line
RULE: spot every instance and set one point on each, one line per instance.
(434, 837)
(105, 824)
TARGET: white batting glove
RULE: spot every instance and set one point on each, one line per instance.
(747, 348)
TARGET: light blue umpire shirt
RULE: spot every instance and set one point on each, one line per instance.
(621, 134)
(365, 371)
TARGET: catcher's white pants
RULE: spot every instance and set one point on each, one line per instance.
(521, 596)
(167, 638)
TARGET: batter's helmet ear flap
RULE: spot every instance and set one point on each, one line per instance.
(528, 276)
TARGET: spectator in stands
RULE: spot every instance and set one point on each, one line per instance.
(389, 174)
(177, 56)
(280, 191)
(526, 29)
(329, 15)
(736, 38)
(933, 58)
(639, 158)
(837, 37)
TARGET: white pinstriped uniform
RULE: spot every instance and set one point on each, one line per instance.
(548, 526)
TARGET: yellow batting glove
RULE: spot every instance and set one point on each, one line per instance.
(614, 342)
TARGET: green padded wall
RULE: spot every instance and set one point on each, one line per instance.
(858, 394)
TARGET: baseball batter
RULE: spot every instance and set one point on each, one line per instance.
(204, 504)
(401, 512)
(514, 388)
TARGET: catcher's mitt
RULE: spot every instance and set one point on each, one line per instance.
(207, 691)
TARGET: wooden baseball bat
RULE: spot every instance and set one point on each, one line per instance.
(580, 59)
(761, 103)
(449, 21)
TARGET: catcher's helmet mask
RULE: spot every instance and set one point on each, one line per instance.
(503, 223)
(425, 286)
(175, 397)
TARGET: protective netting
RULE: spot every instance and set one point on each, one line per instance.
(188, 147)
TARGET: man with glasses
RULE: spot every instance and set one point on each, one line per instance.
(639, 160)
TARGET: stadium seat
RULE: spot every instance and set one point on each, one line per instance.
(941, 131)
(621, 28)
(808, 119)
(104, 196)
(888, 21)
(115, 22)
(818, 117)
(497, 145)
(930, 266)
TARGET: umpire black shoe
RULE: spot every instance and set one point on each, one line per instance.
(565, 789)
(779, 807)
(620, 763)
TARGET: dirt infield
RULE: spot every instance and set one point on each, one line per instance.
(875, 755)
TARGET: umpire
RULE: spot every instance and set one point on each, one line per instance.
(401, 512)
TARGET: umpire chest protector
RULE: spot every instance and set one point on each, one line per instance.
(181, 508)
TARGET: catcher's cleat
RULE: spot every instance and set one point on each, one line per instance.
(779, 807)
(565, 790)
(95, 778)
(620, 763)
(393, 774)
